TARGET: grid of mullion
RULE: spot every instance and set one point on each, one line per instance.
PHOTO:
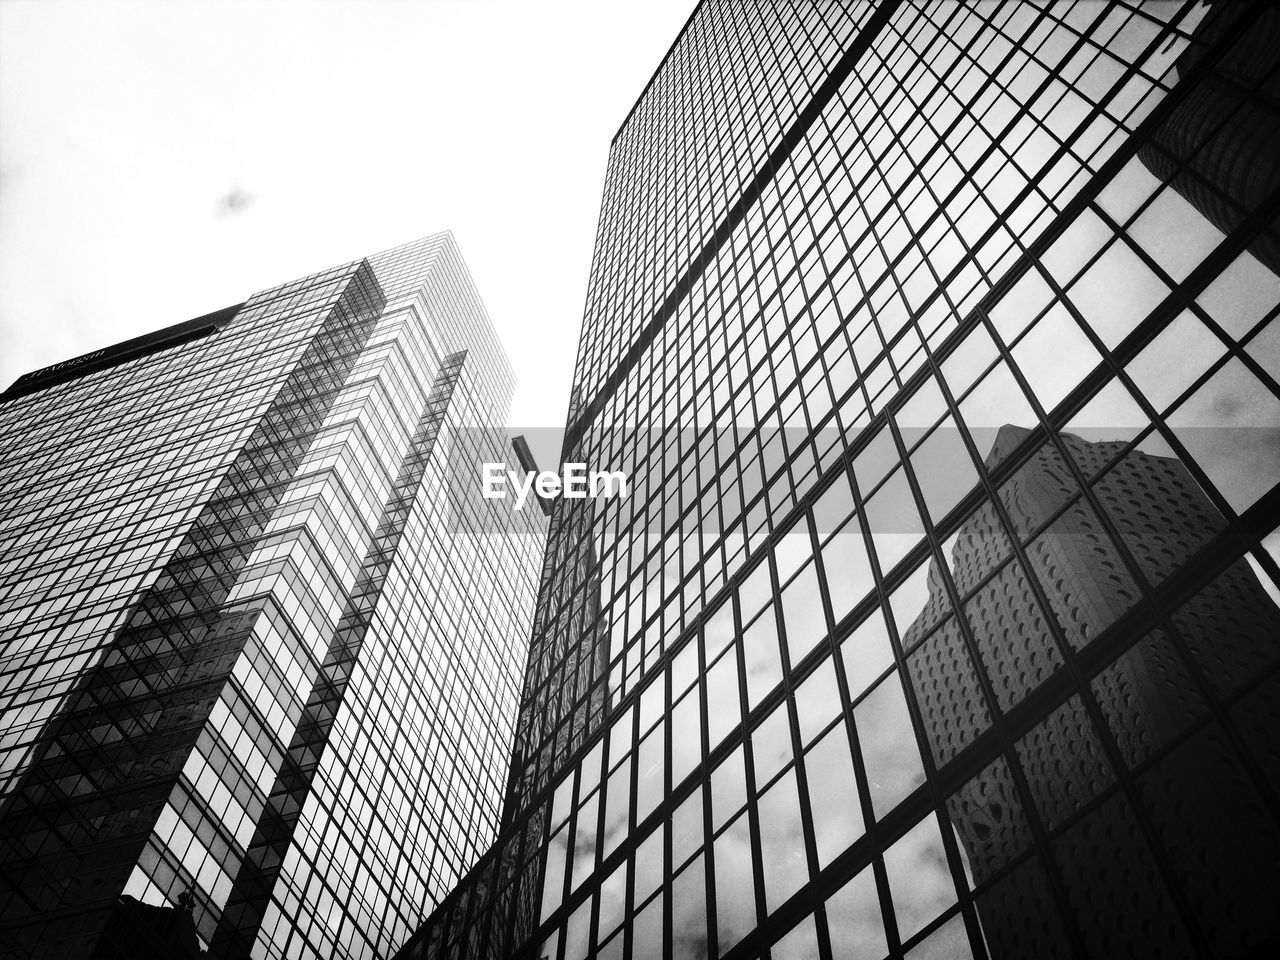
(1080, 36)
(694, 29)
(1228, 515)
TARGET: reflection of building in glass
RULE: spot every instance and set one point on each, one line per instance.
(840, 246)
(258, 663)
(1218, 147)
(1145, 695)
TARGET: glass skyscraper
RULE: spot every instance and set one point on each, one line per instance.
(940, 342)
(259, 652)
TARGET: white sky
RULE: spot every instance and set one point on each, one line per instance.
(129, 129)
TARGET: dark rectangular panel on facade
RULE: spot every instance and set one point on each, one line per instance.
(167, 338)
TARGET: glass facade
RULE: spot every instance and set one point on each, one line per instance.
(260, 673)
(940, 342)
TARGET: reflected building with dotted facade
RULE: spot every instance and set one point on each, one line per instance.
(1214, 147)
(841, 245)
(259, 649)
(1145, 695)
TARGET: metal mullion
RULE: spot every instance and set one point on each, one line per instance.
(668, 799)
(1007, 743)
(742, 102)
(706, 112)
(1083, 198)
(793, 727)
(949, 842)
(941, 141)
(1087, 700)
(1159, 426)
(744, 437)
(873, 824)
(1023, 716)
(1115, 360)
(1239, 348)
(801, 123)
(748, 741)
(978, 755)
(702, 771)
(1192, 730)
(789, 325)
(845, 716)
(859, 384)
(785, 36)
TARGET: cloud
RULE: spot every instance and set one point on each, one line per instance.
(234, 201)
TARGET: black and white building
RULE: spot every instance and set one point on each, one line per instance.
(260, 667)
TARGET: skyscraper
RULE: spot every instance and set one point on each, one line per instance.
(260, 650)
(769, 698)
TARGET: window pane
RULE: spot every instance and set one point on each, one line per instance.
(584, 840)
(1175, 234)
(1116, 293)
(728, 787)
(833, 507)
(771, 745)
(613, 901)
(951, 700)
(817, 700)
(802, 611)
(1231, 426)
(648, 865)
(800, 944)
(735, 889)
(943, 469)
(689, 913)
(854, 920)
(888, 744)
(646, 936)
(1054, 356)
(781, 842)
(949, 942)
(1174, 360)
(1242, 295)
(919, 879)
(848, 570)
(1063, 762)
(894, 520)
(867, 654)
(686, 736)
(762, 658)
(617, 807)
(724, 709)
(687, 830)
(553, 881)
(833, 795)
(649, 771)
